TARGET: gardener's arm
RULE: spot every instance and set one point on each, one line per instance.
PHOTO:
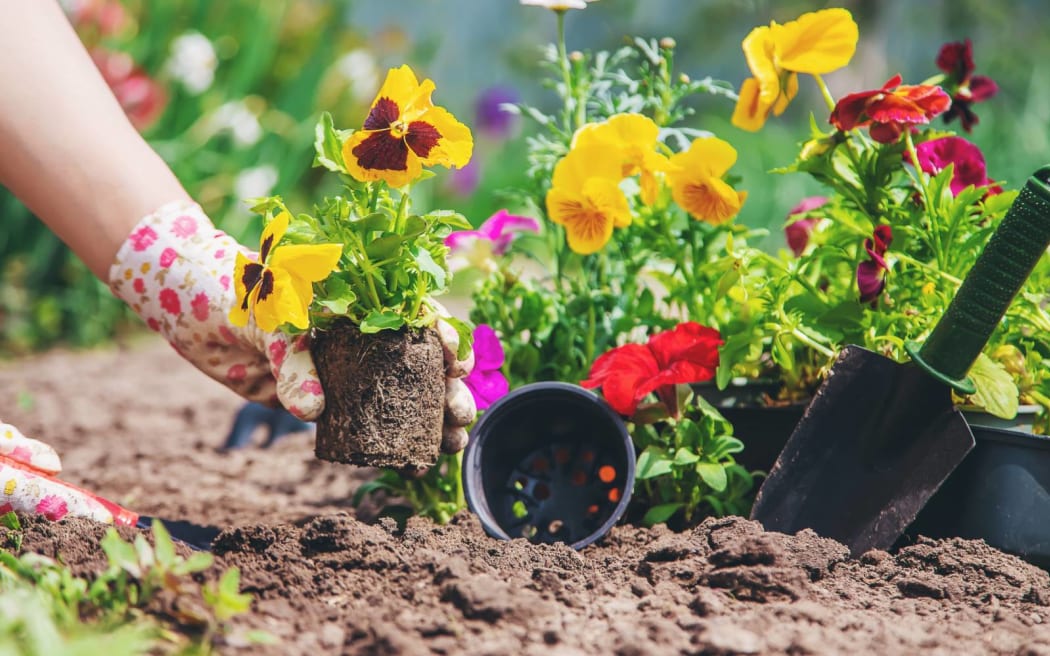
(69, 152)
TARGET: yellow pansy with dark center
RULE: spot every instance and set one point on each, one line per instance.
(278, 288)
(404, 132)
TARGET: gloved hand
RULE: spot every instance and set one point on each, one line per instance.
(176, 271)
(27, 470)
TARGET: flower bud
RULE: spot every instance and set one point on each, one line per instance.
(1011, 358)
(576, 56)
(667, 43)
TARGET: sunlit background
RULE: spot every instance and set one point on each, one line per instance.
(229, 93)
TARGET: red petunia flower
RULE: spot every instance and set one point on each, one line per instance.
(871, 274)
(956, 61)
(626, 374)
(890, 109)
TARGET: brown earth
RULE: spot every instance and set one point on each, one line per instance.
(139, 426)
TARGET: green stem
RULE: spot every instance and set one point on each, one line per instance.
(402, 213)
(801, 336)
(566, 71)
(461, 499)
(829, 100)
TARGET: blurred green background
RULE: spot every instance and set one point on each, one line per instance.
(229, 92)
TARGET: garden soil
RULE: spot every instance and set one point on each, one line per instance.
(141, 427)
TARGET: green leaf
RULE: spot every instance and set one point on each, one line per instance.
(451, 219)
(714, 474)
(661, 513)
(164, 547)
(374, 221)
(652, 462)
(328, 146)
(381, 320)
(466, 335)
(384, 247)
(426, 264)
(996, 391)
(120, 554)
(337, 297)
(685, 457)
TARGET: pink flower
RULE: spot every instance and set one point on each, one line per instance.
(169, 300)
(937, 154)
(139, 285)
(184, 226)
(476, 248)
(219, 254)
(311, 386)
(237, 373)
(142, 238)
(486, 383)
(871, 274)
(224, 280)
(167, 257)
(200, 308)
(52, 507)
(153, 324)
(797, 232)
(278, 350)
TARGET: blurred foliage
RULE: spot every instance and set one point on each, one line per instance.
(285, 60)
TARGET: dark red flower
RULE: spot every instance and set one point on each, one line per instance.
(797, 232)
(887, 111)
(626, 374)
(956, 61)
(871, 274)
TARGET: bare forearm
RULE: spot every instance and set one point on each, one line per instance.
(68, 151)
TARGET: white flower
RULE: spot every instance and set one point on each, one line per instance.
(192, 62)
(359, 68)
(255, 182)
(241, 123)
(558, 5)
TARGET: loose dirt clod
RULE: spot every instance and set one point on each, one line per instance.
(384, 396)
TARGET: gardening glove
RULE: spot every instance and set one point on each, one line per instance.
(176, 271)
(460, 408)
(27, 470)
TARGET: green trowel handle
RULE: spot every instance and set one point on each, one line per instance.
(1007, 260)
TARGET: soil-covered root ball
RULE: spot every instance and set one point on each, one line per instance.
(384, 396)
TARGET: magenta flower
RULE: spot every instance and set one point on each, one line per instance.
(486, 383)
(871, 274)
(797, 232)
(956, 61)
(935, 155)
(476, 248)
(492, 119)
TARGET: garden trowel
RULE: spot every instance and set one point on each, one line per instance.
(880, 437)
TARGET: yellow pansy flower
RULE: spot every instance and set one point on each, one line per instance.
(636, 137)
(816, 43)
(404, 132)
(585, 197)
(696, 181)
(278, 288)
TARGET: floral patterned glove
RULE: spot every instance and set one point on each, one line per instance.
(27, 469)
(175, 270)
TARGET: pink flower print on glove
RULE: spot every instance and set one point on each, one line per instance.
(175, 269)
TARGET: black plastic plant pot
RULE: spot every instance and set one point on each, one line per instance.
(1000, 494)
(549, 462)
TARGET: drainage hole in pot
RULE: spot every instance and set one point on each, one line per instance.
(561, 455)
(529, 531)
(555, 526)
(614, 494)
(541, 492)
(579, 477)
(607, 473)
(518, 509)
